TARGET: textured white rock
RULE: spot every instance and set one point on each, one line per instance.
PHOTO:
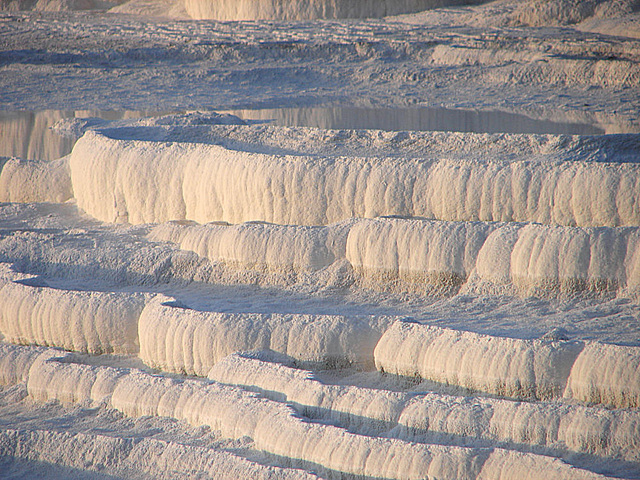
(274, 428)
(142, 181)
(58, 378)
(607, 374)
(189, 341)
(549, 428)
(507, 464)
(129, 457)
(404, 253)
(368, 410)
(502, 366)
(35, 181)
(83, 321)
(552, 260)
(260, 246)
(15, 362)
(312, 9)
(554, 428)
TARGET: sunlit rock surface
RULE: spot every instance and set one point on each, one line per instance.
(276, 243)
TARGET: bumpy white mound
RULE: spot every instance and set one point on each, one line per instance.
(368, 410)
(434, 256)
(258, 245)
(432, 417)
(608, 374)
(502, 366)
(92, 322)
(189, 341)
(118, 187)
(35, 181)
(551, 428)
(272, 426)
(311, 9)
(141, 182)
(591, 372)
(275, 429)
(507, 464)
(135, 458)
(416, 252)
(15, 362)
(56, 378)
(538, 259)
(561, 12)
(570, 193)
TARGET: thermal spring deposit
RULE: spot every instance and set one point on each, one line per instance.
(320, 239)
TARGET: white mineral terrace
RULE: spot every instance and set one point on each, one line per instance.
(368, 222)
(320, 239)
(313, 9)
(274, 427)
(140, 182)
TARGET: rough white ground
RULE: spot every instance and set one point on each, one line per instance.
(315, 9)
(423, 417)
(89, 322)
(205, 183)
(192, 294)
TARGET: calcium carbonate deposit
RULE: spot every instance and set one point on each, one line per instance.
(189, 341)
(155, 182)
(325, 239)
(292, 10)
(90, 322)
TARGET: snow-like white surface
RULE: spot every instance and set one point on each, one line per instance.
(140, 181)
(272, 426)
(527, 258)
(146, 457)
(561, 260)
(543, 369)
(365, 409)
(90, 322)
(15, 362)
(50, 378)
(545, 427)
(35, 181)
(416, 252)
(471, 267)
(502, 366)
(313, 9)
(425, 255)
(606, 374)
(183, 340)
(259, 245)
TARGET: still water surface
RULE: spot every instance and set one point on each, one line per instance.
(28, 134)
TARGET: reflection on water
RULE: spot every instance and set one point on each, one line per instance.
(426, 119)
(28, 134)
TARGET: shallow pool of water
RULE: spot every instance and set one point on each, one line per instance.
(28, 134)
(425, 119)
